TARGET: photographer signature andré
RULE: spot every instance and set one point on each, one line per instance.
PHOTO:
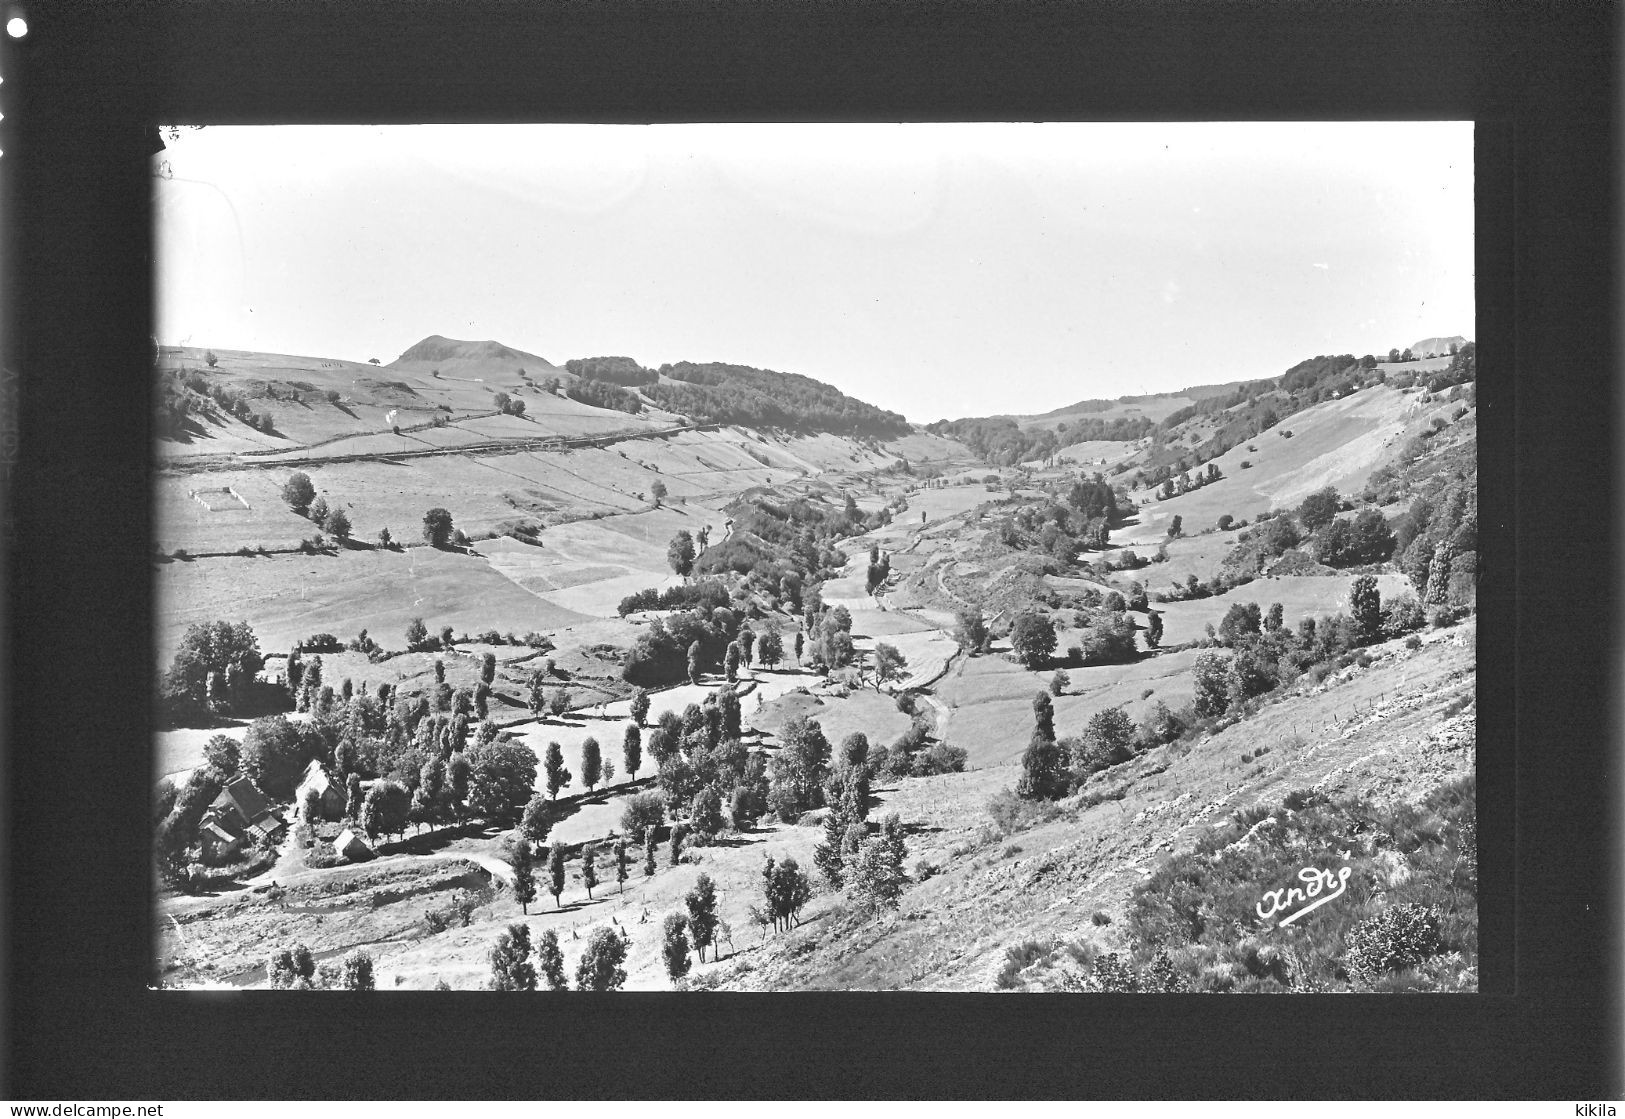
(1323, 885)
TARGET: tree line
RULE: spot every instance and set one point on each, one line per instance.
(716, 392)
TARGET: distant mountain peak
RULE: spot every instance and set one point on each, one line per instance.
(439, 348)
(1437, 345)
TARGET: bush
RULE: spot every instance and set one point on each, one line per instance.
(1019, 957)
(458, 912)
(1397, 939)
(1006, 809)
(941, 758)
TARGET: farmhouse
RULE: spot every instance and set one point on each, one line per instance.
(218, 844)
(331, 797)
(240, 814)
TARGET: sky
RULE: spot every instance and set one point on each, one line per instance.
(938, 270)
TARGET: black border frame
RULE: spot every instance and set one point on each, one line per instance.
(80, 97)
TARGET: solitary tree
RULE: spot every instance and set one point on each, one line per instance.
(1108, 737)
(210, 358)
(589, 867)
(674, 946)
(298, 492)
(550, 961)
(1211, 677)
(830, 855)
(702, 913)
(694, 663)
(730, 663)
(416, 634)
(524, 881)
(970, 631)
(801, 643)
(223, 753)
(1365, 606)
(600, 968)
(437, 527)
(592, 763)
(770, 649)
(1058, 682)
(488, 669)
(1040, 769)
(386, 809)
(877, 875)
(357, 972)
(458, 773)
(1176, 527)
(649, 846)
(557, 775)
(1033, 639)
(560, 703)
(658, 491)
(555, 869)
(511, 969)
(1153, 630)
(680, 552)
(706, 811)
(640, 706)
(889, 664)
(620, 863)
(537, 820)
(632, 750)
(1044, 715)
(787, 891)
(337, 524)
(1319, 508)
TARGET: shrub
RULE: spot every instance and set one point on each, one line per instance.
(1101, 917)
(299, 492)
(1397, 939)
(457, 912)
(1006, 809)
(941, 758)
(1019, 957)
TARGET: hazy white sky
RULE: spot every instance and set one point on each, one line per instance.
(937, 270)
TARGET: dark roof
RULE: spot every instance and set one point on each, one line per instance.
(219, 830)
(268, 828)
(243, 795)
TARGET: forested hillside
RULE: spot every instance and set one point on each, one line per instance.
(720, 393)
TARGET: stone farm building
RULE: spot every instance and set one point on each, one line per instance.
(241, 814)
(331, 796)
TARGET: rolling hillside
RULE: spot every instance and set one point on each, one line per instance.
(486, 360)
(568, 508)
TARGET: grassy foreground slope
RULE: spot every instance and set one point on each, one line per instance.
(1393, 732)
